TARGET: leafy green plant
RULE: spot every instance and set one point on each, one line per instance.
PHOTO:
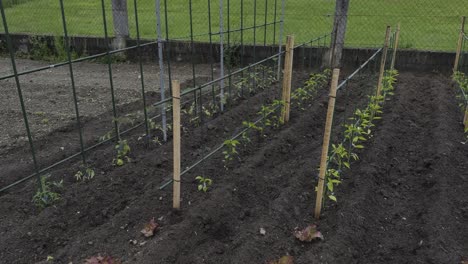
(250, 126)
(203, 183)
(301, 95)
(230, 150)
(355, 134)
(106, 136)
(123, 149)
(48, 195)
(85, 174)
(267, 112)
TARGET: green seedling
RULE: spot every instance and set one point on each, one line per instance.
(123, 149)
(250, 126)
(230, 151)
(333, 178)
(48, 195)
(203, 183)
(303, 94)
(85, 175)
(355, 134)
(106, 136)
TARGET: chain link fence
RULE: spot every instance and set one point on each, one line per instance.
(426, 24)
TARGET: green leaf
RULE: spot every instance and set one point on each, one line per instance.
(332, 197)
(346, 164)
(330, 186)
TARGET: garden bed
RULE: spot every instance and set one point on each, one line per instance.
(404, 201)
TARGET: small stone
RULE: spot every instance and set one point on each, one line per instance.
(262, 231)
(90, 243)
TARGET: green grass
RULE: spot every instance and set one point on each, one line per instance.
(426, 24)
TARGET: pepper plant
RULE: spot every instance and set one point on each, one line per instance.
(230, 151)
(355, 134)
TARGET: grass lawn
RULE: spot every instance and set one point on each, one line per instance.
(426, 24)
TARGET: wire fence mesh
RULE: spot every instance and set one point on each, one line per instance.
(428, 25)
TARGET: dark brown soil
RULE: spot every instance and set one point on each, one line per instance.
(403, 202)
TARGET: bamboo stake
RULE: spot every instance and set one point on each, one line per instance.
(383, 61)
(460, 44)
(176, 144)
(326, 142)
(287, 79)
(395, 49)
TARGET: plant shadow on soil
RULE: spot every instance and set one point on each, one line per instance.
(271, 186)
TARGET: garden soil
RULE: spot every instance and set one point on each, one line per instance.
(404, 201)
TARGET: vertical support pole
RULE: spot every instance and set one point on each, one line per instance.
(210, 33)
(143, 92)
(20, 95)
(265, 27)
(254, 68)
(72, 80)
(465, 119)
(176, 142)
(326, 143)
(192, 57)
(242, 45)
(383, 62)
(280, 38)
(229, 48)
(221, 55)
(109, 66)
(460, 44)
(275, 15)
(287, 79)
(162, 88)
(339, 33)
(395, 47)
(168, 47)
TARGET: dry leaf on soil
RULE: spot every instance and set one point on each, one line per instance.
(308, 234)
(150, 228)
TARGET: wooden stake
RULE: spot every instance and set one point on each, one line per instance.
(287, 79)
(176, 144)
(395, 49)
(326, 142)
(383, 61)
(460, 44)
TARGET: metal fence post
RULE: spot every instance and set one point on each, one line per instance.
(221, 52)
(280, 38)
(72, 79)
(20, 95)
(162, 88)
(109, 65)
(142, 79)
